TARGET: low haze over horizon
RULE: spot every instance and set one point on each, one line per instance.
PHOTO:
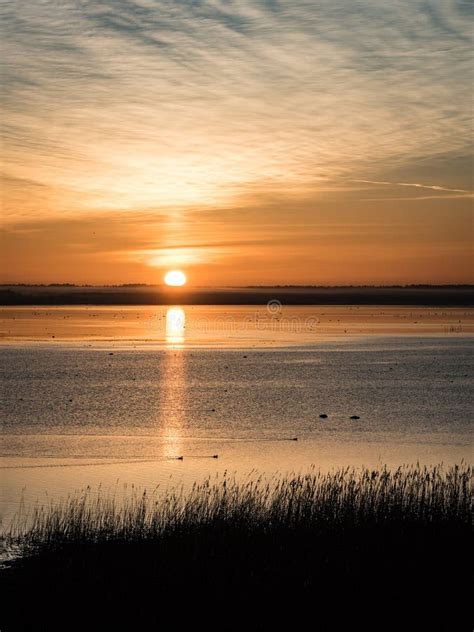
(258, 142)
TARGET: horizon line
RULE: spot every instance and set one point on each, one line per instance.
(236, 287)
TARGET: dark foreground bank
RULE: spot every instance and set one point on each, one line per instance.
(377, 549)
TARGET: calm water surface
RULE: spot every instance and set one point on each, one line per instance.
(113, 409)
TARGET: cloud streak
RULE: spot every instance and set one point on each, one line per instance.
(417, 185)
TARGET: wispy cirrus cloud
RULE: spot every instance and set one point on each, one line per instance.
(128, 104)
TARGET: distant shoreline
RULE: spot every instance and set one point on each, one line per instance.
(445, 295)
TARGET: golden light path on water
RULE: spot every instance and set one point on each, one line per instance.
(173, 405)
(175, 325)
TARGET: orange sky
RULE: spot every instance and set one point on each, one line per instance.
(309, 144)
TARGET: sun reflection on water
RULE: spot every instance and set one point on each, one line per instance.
(175, 325)
(173, 380)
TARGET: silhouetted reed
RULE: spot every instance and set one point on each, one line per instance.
(265, 553)
(343, 498)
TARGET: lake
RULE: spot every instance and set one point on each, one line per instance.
(116, 396)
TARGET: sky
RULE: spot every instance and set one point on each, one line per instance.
(246, 142)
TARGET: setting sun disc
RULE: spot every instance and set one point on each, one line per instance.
(175, 278)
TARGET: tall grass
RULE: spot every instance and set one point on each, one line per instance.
(260, 554)
(315, 501)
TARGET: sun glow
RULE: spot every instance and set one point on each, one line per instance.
(175, 278)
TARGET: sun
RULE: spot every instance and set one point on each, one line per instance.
(175, 278)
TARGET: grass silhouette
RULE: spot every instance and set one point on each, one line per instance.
(260, 552)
